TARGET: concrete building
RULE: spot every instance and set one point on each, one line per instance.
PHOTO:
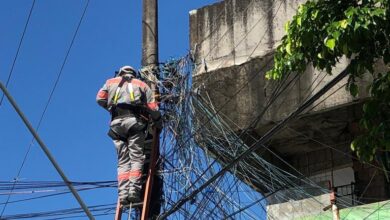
(233, 42)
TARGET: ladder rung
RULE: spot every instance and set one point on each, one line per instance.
(133, 205)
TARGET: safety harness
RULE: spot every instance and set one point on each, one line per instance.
(124, 110)
(114, 105)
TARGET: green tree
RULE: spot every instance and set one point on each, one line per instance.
(320, 34)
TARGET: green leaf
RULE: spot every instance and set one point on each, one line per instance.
(300, 9)
(379, 12)
(336, 35)
(353, 145)
(286, 26)
(357, 25)
(370, 109)
(268, 75)
(345, 49)
(343, 23)
(330, 43)
(288, 48)
(353, 89)
(320, 34)
(314, 15)
(350, 11)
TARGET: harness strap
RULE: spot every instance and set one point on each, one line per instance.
(116, 96)
(131, 91)
(121, 109)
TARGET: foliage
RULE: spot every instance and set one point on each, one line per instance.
(321, 33)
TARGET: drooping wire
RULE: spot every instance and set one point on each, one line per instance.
(17, 51)
(49, 99)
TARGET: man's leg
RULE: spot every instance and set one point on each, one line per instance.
(123, 170)
(137, 160)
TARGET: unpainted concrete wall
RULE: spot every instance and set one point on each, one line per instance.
(233, 31)
(298, 209)
(234, 41)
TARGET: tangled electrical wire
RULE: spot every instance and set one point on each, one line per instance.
(197, 141)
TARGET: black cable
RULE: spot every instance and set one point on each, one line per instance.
(50, 96)
(52, 195)
(238, 91)
(277, 92)
(17, 51)
(258, 143)
(62, 212)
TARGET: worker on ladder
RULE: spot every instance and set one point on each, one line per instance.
(132, 106)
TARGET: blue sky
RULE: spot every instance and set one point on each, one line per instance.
(74, 127)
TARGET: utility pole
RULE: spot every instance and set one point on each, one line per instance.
(153, 187)
(149, 33)
(151, 203)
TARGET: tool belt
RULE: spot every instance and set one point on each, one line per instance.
(120, 112)
(126, 110)
(123, 111)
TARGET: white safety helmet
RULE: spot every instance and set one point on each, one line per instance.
(127, 70)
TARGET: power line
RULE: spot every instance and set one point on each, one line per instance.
(48, 103)
(64, 213)
(58, 194)
(2, 97)
(185, 108)
(17, 51)
(46, 150)
(258, 143)
(244, 85)
(241, 88)
(205, 123)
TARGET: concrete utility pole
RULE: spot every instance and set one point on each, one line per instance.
(151, 203)
(149, 33)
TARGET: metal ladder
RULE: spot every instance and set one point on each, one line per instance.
(142, 208)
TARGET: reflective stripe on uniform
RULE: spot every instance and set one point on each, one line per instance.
(102, 94)
(124, 176)
(115, 100)
(152, 105)
(135, 173)
(131, 91)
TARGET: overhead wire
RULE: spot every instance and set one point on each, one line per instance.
(251, 78)
(64, 213)
(328, 96)
(18, 50)
(202, 207)
(50, 95)
(256, 144)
